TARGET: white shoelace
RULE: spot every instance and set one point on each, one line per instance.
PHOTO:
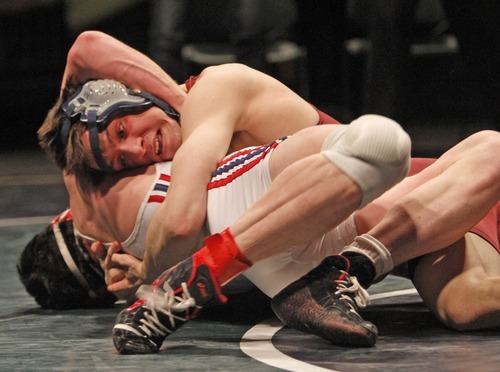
(352, 292)
(166, 303)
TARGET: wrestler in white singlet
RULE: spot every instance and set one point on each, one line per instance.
(239, 181)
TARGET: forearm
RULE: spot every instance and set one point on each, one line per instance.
(86, 60)
(172, 237)
(175, 229)
(176, 226)
(164, 251)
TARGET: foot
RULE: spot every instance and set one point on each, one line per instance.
(174, 298)
(325, 302)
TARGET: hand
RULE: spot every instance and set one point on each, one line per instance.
(111, 273)
(121, 279)
(125, 271)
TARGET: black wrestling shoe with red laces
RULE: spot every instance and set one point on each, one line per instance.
(325, 302)
(174, 298)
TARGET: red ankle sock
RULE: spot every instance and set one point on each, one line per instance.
(223, 256)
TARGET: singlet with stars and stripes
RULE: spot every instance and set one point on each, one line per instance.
(227, 182)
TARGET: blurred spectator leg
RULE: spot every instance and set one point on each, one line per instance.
(388, 67)
(167, 35)
(256, 25)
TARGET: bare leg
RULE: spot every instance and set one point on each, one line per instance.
(467, 272)
(310, 196)
(307, 198)
(436, 207)
(426, 212)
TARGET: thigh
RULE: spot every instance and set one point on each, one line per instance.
(302, 144)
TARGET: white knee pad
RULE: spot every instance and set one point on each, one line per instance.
(373, 151)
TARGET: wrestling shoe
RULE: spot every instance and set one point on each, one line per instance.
(325, 302)
(175, 297)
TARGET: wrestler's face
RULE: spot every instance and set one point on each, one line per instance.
(135, 140)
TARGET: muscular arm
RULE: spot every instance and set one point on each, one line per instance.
(97, 55)
(207, 128)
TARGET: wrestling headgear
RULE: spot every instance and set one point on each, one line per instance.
(59, 272)
(97, 101)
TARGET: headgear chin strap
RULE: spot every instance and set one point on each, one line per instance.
(97, 101)
(70, 262)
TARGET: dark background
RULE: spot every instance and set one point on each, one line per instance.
(439, 109)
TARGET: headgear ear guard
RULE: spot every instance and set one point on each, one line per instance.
(97, 101)
(68, 256)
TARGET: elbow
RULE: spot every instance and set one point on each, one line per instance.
(87, 38)
(80, 48)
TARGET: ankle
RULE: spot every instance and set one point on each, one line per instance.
(375, 251)
(361, 267)
(223, 256)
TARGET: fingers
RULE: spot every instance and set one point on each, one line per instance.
(126, 283)
(126, 260)
(131, 268)
(114, 248)
(122, 285)
(114, 275)
(98, 249)
(123, 271)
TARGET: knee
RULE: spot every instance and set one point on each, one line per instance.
(378, 140)
(373, 150)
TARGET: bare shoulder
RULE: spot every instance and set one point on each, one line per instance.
(108, 212)
(256, 106)
(228, 70)
(238, 88)
(222, 94)
(236, 78)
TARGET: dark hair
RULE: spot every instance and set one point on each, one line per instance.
(47, 277)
